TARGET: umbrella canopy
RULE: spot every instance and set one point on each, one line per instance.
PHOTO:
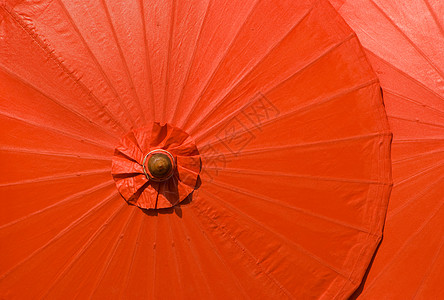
(214, 149)
(404, 42)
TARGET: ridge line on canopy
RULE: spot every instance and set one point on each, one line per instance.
(300, 70)
(111, 253)
(61, 233)
(413, 197)
(168, 61)
(213, 72)
(55, 177)
(251, 258)
(101, 70)
(408, 99)
(216, 250)
(50, 153)
(78, 254)
(422, 85)
(147, 59)
(51, 55)
(54, 100)
(186, 237)
(156, 229)
(415, 121)
(283, 238)
(418, 50)
(403, 246)
(220, 99)
(434, 16)
(62, 201)
(207, 84)
(429, 270)
(301, 145)
(191, 64)
(267, 173)
(135, 248)
(322, 100)
(125, 63)
(295, 208)
(428, 140)
(435, 166)
(144, 227)
(175, 256)
(414, 157)
(58, 131)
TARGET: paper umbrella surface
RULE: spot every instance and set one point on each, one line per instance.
(220, 149)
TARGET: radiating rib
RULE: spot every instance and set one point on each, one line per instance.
(394, 93)
(50, 153)
(61, 202)
(413, 198)
(55, 177)
(307, 13)
(422, 172)
(218, 65)
(61, 233)
(35, 38)
(419, 140)
(153, 286)
(61, 132)
(147, 60)
(286, 147)
(415, 157)
(168, 60)
(415, 121)
(112, 252)
(135, 250)
(175, 256)
(102, 72)
(125, 64)
(218, 254)
(320, 101)
(186, 235)
(82, 250)
(388, 264)
(76, 113)
(283, 238)
(84, 87)
(311, 63)
(185, 82)
(251, 258)
(404, 73)
(429, 270)
(286, 206)
(434, 16)
(315, 178)
(417, 49)
(218, 103)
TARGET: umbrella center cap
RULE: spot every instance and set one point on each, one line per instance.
(158, 165)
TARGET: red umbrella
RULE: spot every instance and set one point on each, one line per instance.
(404, 42)
(247, 140)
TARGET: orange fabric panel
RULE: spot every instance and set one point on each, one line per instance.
(404, 42)
(277, 99)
